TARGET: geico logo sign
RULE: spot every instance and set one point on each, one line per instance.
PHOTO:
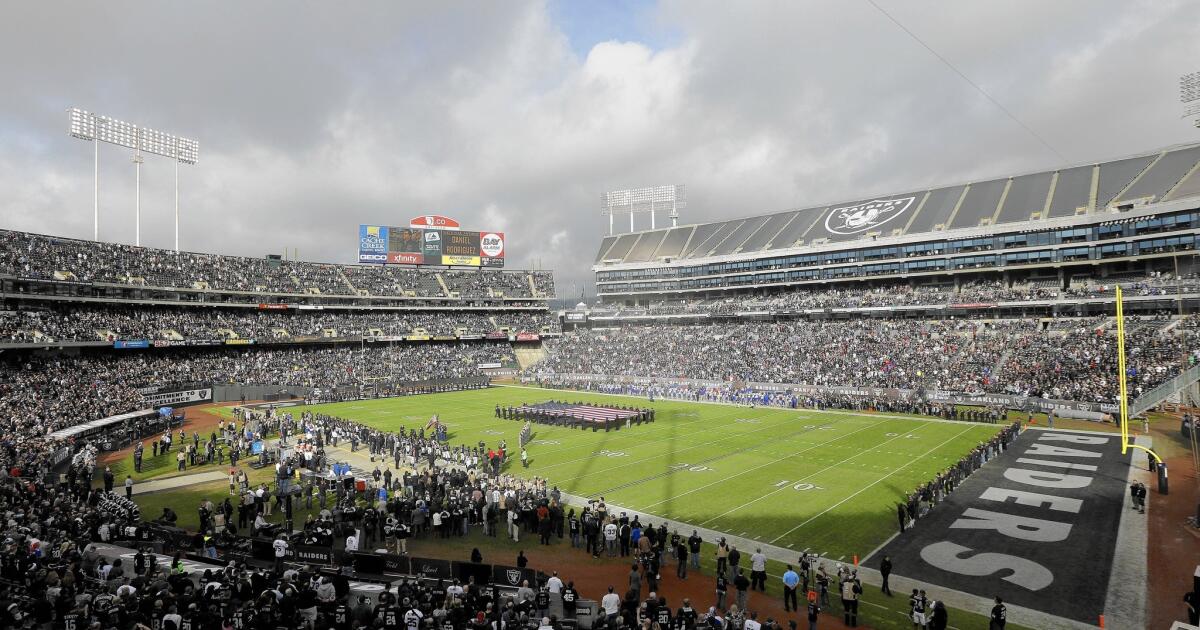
(866, 215)
(365, 257)
(491, 245)
(371, 241)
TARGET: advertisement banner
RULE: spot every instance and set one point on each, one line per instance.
(528, 336)
(238, 342)
(372, 243)
(491, 249)
(132, 343)
(431, 245)
(405, 258)
(418, 337)
(471, 261)
(272, 307)
(434, 222)
(184, 397)
(431, 568)
(496, 334)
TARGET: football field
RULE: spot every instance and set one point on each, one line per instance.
(823, 481)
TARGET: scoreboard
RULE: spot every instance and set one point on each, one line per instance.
(382, 244)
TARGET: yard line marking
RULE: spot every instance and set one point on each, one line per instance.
(874, 483)
(827, 468)
(634, 436)
(563, 482)
(815, 446)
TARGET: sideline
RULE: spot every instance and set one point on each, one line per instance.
(842, 412)
(1125, 602)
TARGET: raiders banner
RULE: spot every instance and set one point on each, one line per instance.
(178, 398)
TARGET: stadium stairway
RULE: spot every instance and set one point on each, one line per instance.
(1000, 363)
(1152, 398)
(342, 275)
(442, 282)
(528, 356)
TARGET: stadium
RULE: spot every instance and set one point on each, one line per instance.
(915, 402)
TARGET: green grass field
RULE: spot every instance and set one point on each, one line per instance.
(822, 481)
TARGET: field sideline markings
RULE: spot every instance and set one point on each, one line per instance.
(646, 459)
(708, 460)
(810, 476)
(873, 484)
(774, 461)
(634, 436)
(841, 412)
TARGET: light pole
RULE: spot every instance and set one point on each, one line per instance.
(1189, 95)
(86, 125)
(637, 200)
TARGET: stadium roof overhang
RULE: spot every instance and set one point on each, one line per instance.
(1084, 220)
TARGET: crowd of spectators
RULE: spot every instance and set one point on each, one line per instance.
(1001, 356)
(40, 394)
(892, 295)
(41, 257)
(129, 322)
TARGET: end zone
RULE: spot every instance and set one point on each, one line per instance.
(1038, 526)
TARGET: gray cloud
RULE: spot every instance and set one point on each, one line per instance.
(315, 117)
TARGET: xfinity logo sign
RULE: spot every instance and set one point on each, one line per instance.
(866, 215)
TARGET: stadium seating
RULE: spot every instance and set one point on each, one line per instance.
(34, 256)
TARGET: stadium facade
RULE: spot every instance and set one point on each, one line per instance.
(1084, 223)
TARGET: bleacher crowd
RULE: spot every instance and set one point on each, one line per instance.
(128, 322)
(1001, 356)
(35, 256)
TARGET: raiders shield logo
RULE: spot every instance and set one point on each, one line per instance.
(514, 576)
(866, 215)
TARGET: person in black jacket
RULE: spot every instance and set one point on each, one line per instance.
(885, 569)
(940, 620)
(999, 616)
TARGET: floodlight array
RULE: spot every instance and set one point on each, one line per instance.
(88, 126)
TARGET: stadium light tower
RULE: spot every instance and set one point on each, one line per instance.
(86, 125)
(1189, 95)
(637, 200)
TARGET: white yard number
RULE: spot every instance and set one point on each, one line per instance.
(546, 442)
(747, 420)
(690, 468)
(907, 436)
(608, 453)
(494, 432)
(799, 486)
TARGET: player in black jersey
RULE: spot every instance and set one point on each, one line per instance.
(662, 613)
(341, 617)
(569, 597)
(686, 616)
(72, 621)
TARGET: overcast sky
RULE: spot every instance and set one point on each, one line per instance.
(516, 116)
